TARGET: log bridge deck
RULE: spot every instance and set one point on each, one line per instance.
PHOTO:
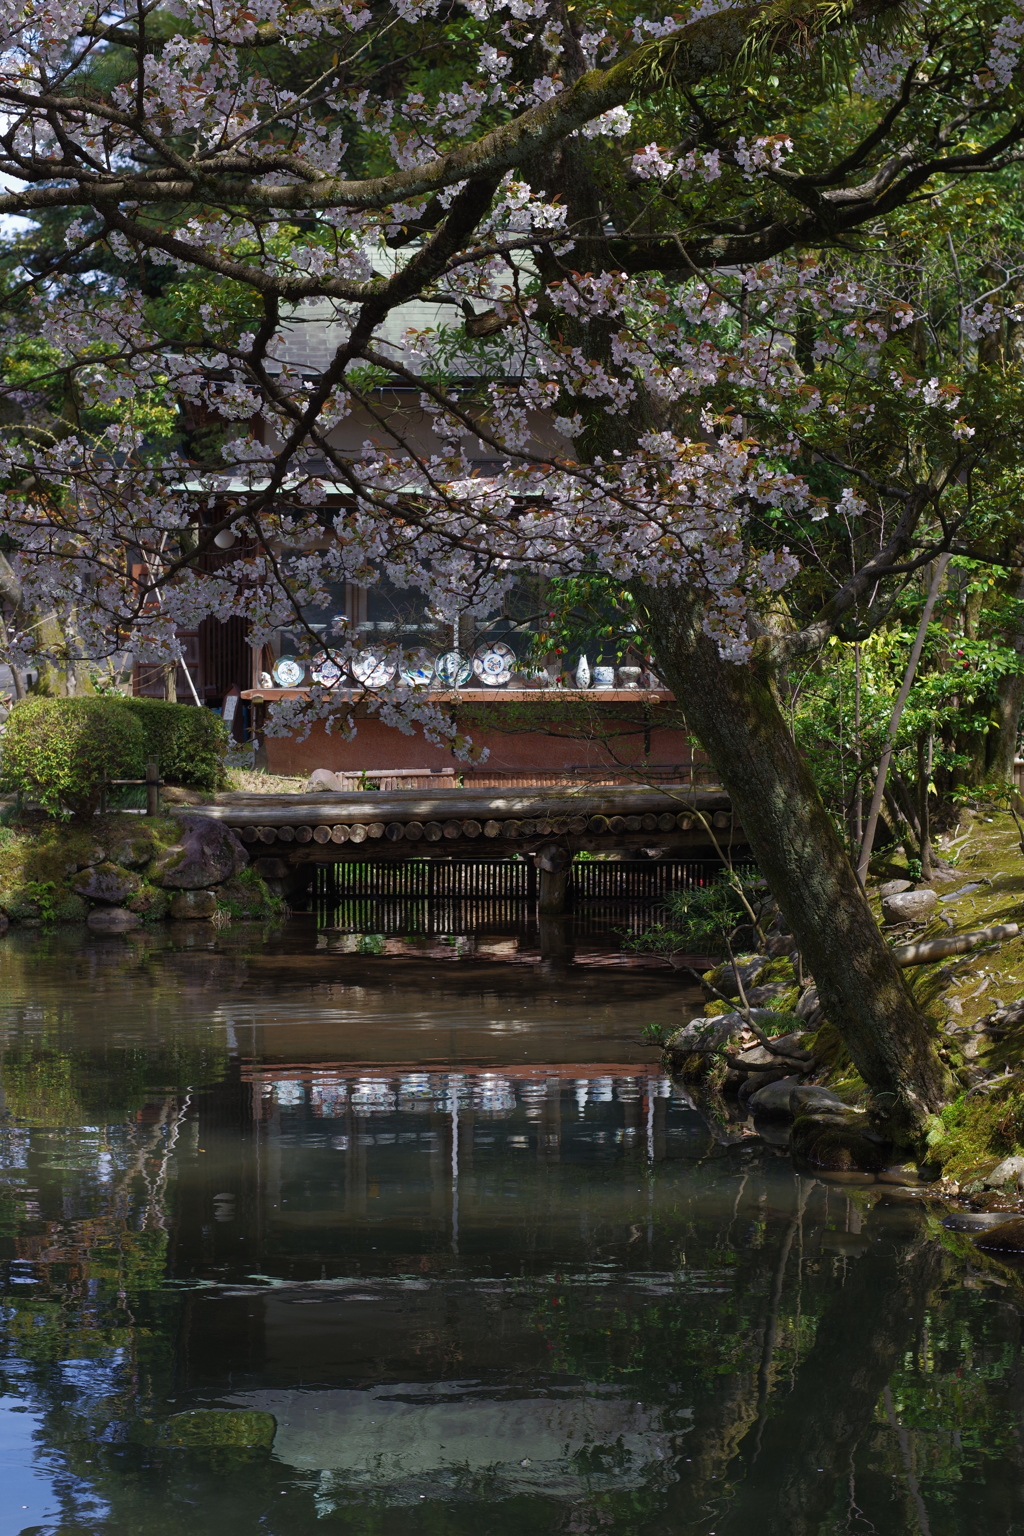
(286, 832)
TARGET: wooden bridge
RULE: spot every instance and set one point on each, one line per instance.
(288, 834)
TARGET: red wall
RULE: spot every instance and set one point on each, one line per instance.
(599, 736)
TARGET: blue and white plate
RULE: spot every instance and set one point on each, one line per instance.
(288, 673)
(325, 670)
(453, 670)
(494, 664)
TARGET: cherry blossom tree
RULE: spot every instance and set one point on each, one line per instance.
(637, 226)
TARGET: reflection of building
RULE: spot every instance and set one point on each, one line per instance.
(401, 1334)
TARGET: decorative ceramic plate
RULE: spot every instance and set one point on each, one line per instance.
(494, 664)
(325, 670)
(418, 671)
(288, 673)
(374, 669)
(453, 670)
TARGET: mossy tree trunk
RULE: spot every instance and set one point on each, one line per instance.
(735, 712)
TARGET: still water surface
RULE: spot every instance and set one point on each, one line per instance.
(295, 1241)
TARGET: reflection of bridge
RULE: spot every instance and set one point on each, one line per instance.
(288, 834)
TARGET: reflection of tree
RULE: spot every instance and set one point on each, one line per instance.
(807, 1445)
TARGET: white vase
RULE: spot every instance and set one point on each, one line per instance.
(604, 677)
(583, 673)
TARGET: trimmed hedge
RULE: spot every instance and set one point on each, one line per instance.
(61, 752)
(186, 742)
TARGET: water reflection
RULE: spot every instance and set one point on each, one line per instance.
(290, 1249)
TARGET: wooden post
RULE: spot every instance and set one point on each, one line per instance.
(555, 865)
(152, 790)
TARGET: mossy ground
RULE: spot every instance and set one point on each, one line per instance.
(985, 1121)
(40, 857)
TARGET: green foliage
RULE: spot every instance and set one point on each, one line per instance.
(701, 919)
(186, 743)
(40, 893)
(61, 752)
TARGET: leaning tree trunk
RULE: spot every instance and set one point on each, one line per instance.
(734, 711)
(1001, 742)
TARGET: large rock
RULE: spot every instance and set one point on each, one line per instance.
(808, 1006)
(894, 888)
(150, 901)
(133, 852)
(207, 853)
(192, 904)
(112, 920)
(756, 1081)
(759, 997)
(773, 1098)
(106, 882)
(322, 779)
(908, 906)
(840, 1140)
(93, 855)
(1009, 1171)
(723, 977)
(702, 1036)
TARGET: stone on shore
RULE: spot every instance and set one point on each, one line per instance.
(106, 882)
(723, 978)
(207, 853)
(773, 1098)
(1009, 1171)
(703, 1036)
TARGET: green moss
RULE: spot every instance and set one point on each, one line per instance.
(39, 860)
(151, 903)
(977, 1130)
(712, 1010)
(779, 970)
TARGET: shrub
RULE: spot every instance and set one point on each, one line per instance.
(186, 742)
(61, 752)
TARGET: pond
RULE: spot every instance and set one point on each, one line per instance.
(297, 1240)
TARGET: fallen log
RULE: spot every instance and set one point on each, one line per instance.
(941, 949)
